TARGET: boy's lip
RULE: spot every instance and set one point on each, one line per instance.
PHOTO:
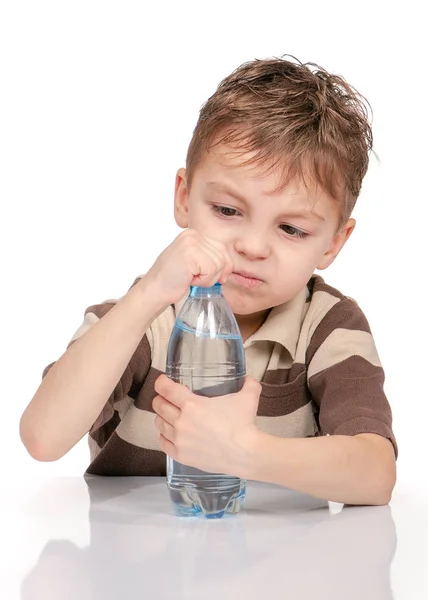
(245, 279)
(248, 275)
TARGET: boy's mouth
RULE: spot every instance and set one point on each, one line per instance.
(245, 279)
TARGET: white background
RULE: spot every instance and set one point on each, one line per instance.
(97, 106)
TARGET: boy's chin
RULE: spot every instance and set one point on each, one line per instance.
(243, 306)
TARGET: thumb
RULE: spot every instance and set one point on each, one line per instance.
(250, 394)
(252, 387)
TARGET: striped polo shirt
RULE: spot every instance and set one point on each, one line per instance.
(314, 356)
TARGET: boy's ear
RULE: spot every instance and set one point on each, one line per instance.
(181, 199)
(337, 244)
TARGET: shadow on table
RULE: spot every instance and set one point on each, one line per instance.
(288, 544)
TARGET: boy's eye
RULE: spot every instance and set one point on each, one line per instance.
(225, 211)
(293, 232)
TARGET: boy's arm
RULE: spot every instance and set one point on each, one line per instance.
(356, 462)
(222, 437)
(356, 469)
(75, 390)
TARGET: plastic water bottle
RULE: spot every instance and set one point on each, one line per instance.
(205, 353)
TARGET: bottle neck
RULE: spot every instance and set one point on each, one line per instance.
(197, 291)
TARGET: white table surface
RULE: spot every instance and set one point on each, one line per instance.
(118, 538)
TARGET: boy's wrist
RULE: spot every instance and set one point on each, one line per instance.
(152, 290)
(143, 300)
(251, 444)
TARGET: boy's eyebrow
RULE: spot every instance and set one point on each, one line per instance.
(222, 188)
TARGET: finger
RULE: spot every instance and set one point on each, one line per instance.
(250, 389)
(249, 395)
(169, 412)
(227, 270)
(251, 386)
(225, 261)
(167, 447)
(164, 428)
(173, 392)
(205, 267)
(211, 260)
(218, 246)
(211, 264)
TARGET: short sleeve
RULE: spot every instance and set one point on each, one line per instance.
(131, 379)
(345, 376)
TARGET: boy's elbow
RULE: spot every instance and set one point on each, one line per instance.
(383, 488)
(42, 454)
(35, 446)
(381, 475)
(385, 493)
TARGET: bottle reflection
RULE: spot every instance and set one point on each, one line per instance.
(289, 545)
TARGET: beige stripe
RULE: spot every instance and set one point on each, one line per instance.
(340, 345)
(299, 423)
(257, 359)
(89, 320)
(123, 406)
(138, 428)
(321, 303)
(262, 356)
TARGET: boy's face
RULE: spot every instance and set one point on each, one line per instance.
(279, 238)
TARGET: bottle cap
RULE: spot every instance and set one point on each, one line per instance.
(206, 291)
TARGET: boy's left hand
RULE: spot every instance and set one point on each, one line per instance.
(216, 435)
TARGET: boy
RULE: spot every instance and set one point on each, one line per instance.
(272, 174)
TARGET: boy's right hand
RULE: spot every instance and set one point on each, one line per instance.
(191, 259)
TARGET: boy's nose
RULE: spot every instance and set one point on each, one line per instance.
(253, 245)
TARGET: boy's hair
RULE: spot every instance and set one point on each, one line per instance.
(294, 117)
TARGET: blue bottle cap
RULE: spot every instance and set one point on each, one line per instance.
(199, 289)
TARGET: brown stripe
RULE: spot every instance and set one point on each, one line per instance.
(147, 390)
(282, 404)
(346, 315)
(350, 397)
(120, 458)
(129, 384)
(102, 434)
(277, 399)
(283, 376)
(317, 284)
(140, 365)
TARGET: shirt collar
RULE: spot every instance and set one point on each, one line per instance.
(283, 324)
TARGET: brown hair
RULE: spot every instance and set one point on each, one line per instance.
(292, 116)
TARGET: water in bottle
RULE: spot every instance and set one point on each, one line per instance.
(205, 353)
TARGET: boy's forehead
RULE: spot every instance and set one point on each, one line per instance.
(223, 166)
